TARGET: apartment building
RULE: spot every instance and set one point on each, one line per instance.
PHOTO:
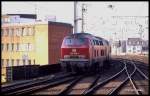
(32, 43)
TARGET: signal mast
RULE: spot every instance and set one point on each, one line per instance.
(76, 19)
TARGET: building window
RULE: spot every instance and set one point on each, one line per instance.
(30, 31)
(134, 48)
(6, 32)
(7, 46)
(29, 62)
(17, 61)
(18, 31)
(12, 62)
(12, 46)
(7, 62)
(15, 32)
(2, 46)
(10, 32)
(6, 20)
(17, 49)
(20, 47)
(30, 47)
(24, 62)
(2, 32)
(2, 62)
(24, 32)
(27, 31)
(24, 47)
(22, 29)
(34, 61)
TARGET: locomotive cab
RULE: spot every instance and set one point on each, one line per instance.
(74, 52)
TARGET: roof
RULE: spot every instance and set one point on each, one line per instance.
(32, 16)
(134, 39)
(59, 24)
(137, 42)
(82, 34)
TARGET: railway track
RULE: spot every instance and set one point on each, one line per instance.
(16, 88)
(106, 87)
(126, 80)
(138, 82)
(110, 86)
(70, 87)
(78, 86)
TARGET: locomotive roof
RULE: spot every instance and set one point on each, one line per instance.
(80, 35)
(100, 38)
(88, 35)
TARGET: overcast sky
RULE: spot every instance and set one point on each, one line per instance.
(96, 13)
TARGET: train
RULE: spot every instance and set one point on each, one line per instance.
(84, 52)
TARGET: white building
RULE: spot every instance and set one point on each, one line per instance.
(136, 46)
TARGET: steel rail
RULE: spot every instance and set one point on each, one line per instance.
(24, 86)
(131, 81)
(140, 71)
(93, 83)
(42, 86)
(13, 86)
(68, 88)
(91, 90)
(118, 88)
(133, 62)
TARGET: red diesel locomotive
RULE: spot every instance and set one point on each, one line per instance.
(84, 52)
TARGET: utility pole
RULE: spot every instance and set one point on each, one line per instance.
(140, 33)
(83, 11)
(36, 10)
(115, 41)
(75, 17)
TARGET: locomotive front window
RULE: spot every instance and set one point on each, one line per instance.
(69, 41)
(75, 41)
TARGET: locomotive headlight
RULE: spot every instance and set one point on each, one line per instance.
(81, 56)
(66, 56)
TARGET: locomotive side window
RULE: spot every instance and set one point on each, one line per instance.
(76, 41)
(95, 53)
(90, 42)
(100, 42)
(94, 42)
(102, 52)
(97, 42)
